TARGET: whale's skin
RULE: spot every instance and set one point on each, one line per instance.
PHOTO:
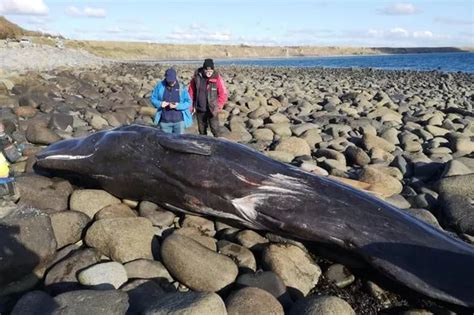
(223, 179)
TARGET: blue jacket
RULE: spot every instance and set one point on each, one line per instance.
(184, 103)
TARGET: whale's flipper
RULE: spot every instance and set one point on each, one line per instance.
(190, 146)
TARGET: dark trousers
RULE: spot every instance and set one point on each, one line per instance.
(206, 119)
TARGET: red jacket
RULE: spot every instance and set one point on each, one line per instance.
(216, 91)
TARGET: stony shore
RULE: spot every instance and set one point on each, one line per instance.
(404, 136)
(17, 57)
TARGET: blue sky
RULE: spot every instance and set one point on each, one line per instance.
(265, 22)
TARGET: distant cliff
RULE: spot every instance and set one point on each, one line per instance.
(9, 29)
(12, 31)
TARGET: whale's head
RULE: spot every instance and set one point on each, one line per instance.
(119, 155)
(85, 155)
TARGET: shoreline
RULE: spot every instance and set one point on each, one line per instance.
(39, 57)
(295, 57)
(286, 62)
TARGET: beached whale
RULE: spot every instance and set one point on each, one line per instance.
(209, 176)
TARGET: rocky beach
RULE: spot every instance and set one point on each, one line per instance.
(406, 137)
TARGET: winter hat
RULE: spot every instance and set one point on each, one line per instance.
(170, 75)
(208, 63)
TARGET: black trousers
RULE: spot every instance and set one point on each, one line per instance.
(206, 119)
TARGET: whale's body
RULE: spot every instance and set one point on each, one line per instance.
(223, 179)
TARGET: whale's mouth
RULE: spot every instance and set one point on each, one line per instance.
(66, 157)
(60, 155)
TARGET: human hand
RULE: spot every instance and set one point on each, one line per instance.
(164, 104)
(173, 105)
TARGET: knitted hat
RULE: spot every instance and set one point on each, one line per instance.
(208, 63)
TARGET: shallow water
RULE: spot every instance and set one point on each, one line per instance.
(447, 62)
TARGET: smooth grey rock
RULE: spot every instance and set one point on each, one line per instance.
(280, 156)
(268, 281)
(35, 303)
(147, 269)
(241, 255)
(40, 134)
(328, 305)
(398, 201)
(371, 141)
(251, 300)
(115, 211)
(90, 201)
(196, 266)
(339, 275)
(205, 226)
(380, 182)
(62, 276)
(455, 168)
(295, 146)
(356, 156)
(424, 215)
(140, 294)
(113, 302)
(190, 303)
(251, 240)
(43, 192)
(27, 243)
(456, 195)
(61, 121)
(295, 267)
(198, 236)
(68, 226)
(122, 239)
(263, 134)
(103, 276)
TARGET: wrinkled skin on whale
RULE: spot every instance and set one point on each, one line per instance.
(208, 176)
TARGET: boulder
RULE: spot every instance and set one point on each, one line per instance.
(27, 243)
(122, 239)
(296, 268)
(196, 266)
(251, 300)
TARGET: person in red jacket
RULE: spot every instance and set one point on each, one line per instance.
(209, 94)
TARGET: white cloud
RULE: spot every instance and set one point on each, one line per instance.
(400, 9)
(73, 11)
(94, 12)
(198, 33)
(220, 36)
(422, 34)
(401, 37)
(398, 32)
(23, 7)
(259, 41)
(86, 12)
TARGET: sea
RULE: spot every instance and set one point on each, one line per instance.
(444, 62)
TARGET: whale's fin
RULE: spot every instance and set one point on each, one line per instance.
(190, 146)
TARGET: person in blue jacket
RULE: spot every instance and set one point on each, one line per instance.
(173, 104)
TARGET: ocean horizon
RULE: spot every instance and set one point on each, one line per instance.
(444, 62)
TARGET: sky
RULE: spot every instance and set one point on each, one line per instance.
(369, 23)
